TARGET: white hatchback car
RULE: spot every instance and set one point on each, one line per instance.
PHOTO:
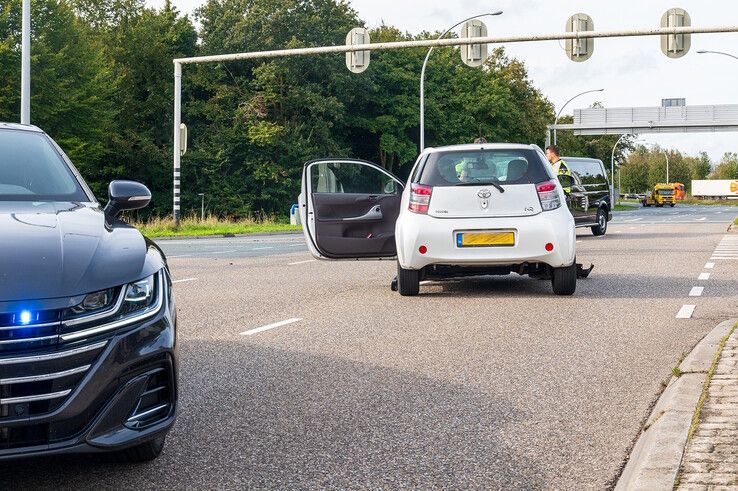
(466, 210)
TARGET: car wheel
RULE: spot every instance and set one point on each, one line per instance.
(408, 281)
(672, 205)
(145, 452)
(564, 280)
(601, 226)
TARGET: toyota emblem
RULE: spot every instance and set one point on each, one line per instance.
(484, 193)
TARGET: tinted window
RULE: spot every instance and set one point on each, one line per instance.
(483, 166)
(590, 171)
(350, 177)
(32, 170)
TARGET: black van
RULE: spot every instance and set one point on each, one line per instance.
(589, 196)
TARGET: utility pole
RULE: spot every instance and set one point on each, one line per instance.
(25, 116)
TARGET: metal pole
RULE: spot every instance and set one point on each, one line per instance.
(566, 104)
(422, 75)
(612, 170)
(427, 43)
(667, 166)
(703, 51)
(177, 121)
(202, 206)
(25, 116)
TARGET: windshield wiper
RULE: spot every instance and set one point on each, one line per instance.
(490, 183)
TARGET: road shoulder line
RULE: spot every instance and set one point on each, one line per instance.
(657, 454)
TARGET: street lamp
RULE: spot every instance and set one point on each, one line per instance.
(612, 169)
(567, 103)
(202, 206)
(704, 51)
(422, 74)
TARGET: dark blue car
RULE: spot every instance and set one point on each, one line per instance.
(88, 359)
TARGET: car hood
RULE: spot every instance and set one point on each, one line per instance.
(53, 250)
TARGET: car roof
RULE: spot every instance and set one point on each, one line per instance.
(479, 146)
(21, 127)
(580, 159)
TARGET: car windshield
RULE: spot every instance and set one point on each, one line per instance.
(665, 192)
(32, 170)
(503, 167)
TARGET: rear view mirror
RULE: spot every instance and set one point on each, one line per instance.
(123, 196)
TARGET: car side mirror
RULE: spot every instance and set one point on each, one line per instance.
(566, 180)
(123, 196)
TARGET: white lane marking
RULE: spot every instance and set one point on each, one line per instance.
(182, 255)
(701, 219)
(696, 291)
(257, 330)
(579, 242)
(709, 265)
(222, 252)
(685, 312)
(183, 280)
(261, 248)
(297, 245)
(302, 262)
(704, 276)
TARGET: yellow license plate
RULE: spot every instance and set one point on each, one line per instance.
(485, 239)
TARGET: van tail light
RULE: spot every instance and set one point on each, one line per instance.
(548, 194)
(420, 198)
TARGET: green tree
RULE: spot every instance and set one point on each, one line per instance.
(727, 168)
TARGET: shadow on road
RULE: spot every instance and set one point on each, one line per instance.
(255, 417)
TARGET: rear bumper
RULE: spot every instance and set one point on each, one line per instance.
(532, 235)
(99, 415)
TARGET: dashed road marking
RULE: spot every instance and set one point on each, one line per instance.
(709, 265)
(696, 291)
(261, 248)
(181, 255)
(685, 312)
(183, 280)
(223, 252)
(257, 330)
(704, 276)
(302, 262)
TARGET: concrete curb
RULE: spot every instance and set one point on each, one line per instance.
(655, 459)
(227, 236)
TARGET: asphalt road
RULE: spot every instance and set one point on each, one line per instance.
(483, 383)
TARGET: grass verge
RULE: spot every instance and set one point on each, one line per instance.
(624, 208)
(193, 226)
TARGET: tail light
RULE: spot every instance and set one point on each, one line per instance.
(548, 195)
(420, 198)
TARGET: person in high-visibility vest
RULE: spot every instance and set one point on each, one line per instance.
(553, 154)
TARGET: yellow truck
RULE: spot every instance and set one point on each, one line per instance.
(660, 195)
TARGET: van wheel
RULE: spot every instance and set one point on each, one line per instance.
(145, 452)
(564, 280)
(601, 226)
(408, 281)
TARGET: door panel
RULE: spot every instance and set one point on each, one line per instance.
(352, 208)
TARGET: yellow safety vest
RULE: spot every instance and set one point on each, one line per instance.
(560, 168)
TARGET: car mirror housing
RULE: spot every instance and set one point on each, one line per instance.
(123, 196)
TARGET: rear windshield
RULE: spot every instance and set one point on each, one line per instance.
(32, 170)
(483, 166)
(590, 171)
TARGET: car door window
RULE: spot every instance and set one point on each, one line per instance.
(351, 178)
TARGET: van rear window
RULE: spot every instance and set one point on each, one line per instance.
(483, 166)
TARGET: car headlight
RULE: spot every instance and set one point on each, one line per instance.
(110, 309)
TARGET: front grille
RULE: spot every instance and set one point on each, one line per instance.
(38, 384)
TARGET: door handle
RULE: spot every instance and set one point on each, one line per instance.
(374, 214)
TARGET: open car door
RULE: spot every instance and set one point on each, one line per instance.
(349, 208)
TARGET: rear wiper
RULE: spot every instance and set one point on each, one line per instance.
(490, 183)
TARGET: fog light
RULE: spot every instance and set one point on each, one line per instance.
(549, 247)
(422, 249)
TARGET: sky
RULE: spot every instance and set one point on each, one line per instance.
(633, 71)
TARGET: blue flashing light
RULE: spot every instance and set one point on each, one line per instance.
(25, 317)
